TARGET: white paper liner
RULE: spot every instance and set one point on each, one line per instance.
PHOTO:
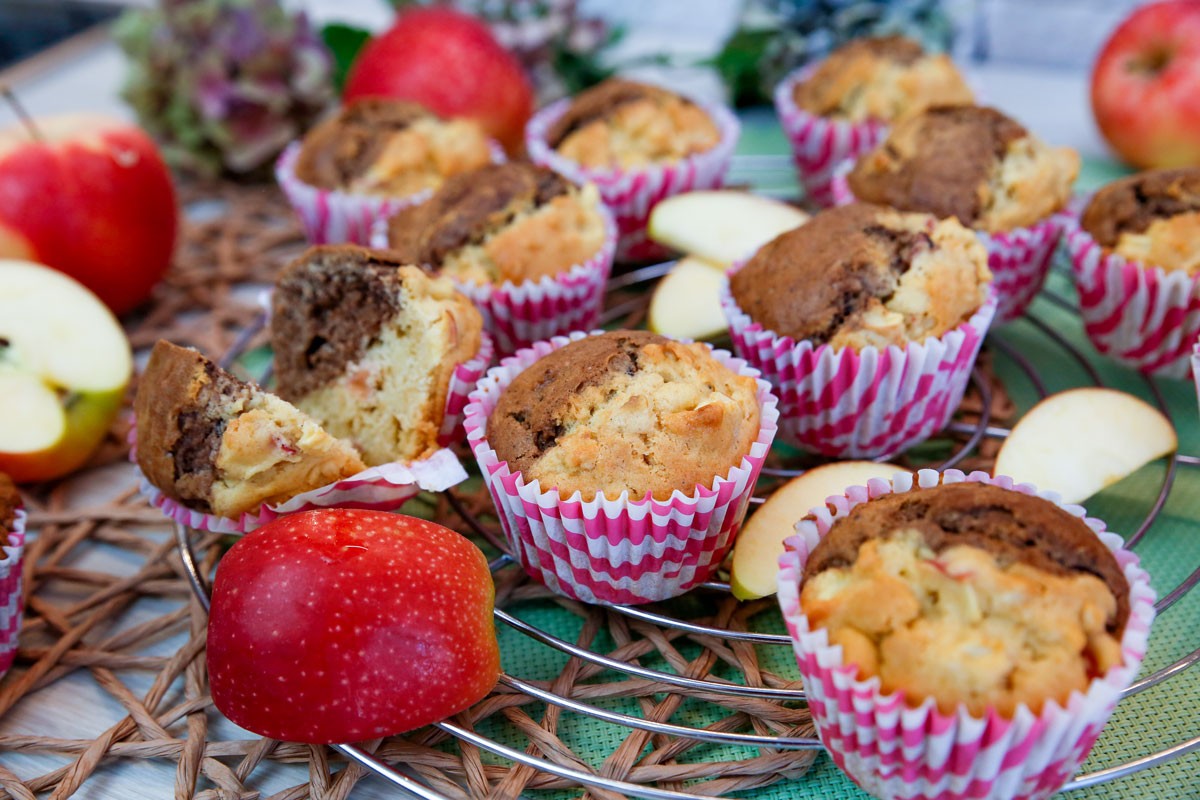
(893, 751)
(462, 383)
(623, 551)
(12, 597)
(632, 193)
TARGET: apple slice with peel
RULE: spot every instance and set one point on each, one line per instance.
(1080, 441)
(64, 366)
(721, 225)
(686, 302)
(760, 543)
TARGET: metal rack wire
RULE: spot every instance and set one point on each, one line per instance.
(969, 435)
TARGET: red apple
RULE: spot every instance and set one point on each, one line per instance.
(452, 64)
(342, 625)
(1146, 86)
(91, 198)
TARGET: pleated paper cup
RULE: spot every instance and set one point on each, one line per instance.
(12, 597)
(822, 147)
(1142, 316)
(892, 750)
(632, 193)
(462, 383)
(1196, 367)
(871, 403)
(620, 551)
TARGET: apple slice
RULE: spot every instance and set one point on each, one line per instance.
(686, 303)
(721, 226)
(64, 366)
(760, 544)
(1080, 441)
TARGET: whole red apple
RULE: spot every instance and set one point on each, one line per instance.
(1146, 86)
(452, 64)
(343, 625)
(92, 198)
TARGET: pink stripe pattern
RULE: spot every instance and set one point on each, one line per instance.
(624, 550)
(12, 595)
(894, 751)
(462, 383)
(632, 193)
(867, 404)
(822, 147)
(1142, 316)
(1196, 367)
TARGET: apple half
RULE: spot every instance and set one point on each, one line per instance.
(1080, 441)
(760, 543)
(64, 366)
(687, 303)
(720, 225)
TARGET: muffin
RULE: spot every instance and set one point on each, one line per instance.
(638, 144)
(218, 445)
(961, 614)
(866, 322)
(12, 528)
(1152, 218)
(885, 78)
(621, 463)
(368, 347)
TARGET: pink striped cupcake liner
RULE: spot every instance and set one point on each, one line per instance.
(892, 750)
(821, 146)
(337, 217)
(868, 404)
(632, 193)
(462, 383)
(1196, 367)
(1141, 316)
(623, 551)
(12, 597)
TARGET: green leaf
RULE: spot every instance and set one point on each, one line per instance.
(738, 63)
(344, 42)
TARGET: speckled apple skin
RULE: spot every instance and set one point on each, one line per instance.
(343, 625)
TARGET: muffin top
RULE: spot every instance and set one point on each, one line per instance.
(884, 78)
(10, 501)
(969, 162)
(391, 147)
(970, 594)
(625, 411)
(620, 123)
(1151, 217)
(514, 221)
(863, 275)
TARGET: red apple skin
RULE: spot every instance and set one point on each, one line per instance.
(450, 63)
(1151, 116)
(343, 625)
(93, 200)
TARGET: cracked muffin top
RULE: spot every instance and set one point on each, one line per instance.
(863, 275)
(625, 411)
(969, 162)
(1151, 217)
(885, 78)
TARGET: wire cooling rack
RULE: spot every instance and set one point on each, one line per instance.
(712, 694)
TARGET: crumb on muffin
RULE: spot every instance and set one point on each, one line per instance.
(969, 162)
(10, 501)
(620, 123)
(884, 78)
(389, 147)
(625, 411)
(1152, 217)
(969, 594)
(865, 276)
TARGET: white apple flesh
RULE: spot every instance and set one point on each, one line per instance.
(721, 226)
(686, 303)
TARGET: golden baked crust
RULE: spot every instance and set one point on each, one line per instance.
(216, 444)
(504, 222)
(625, 411)
(969, 162)
(391, 147)
(367, 347)
(970, 594)
(1151, 217)
(885, 78)
(10, 501)
(863, 275)
(621, 123)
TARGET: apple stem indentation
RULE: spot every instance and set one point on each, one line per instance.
(11, 98)
(1153, 61)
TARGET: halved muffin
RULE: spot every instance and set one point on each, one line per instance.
(1151, 217)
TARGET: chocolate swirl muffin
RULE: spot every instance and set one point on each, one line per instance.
(863, 275)
(968, 162)
(367, 346)
(971, 594)
(625, 411)
(503, 222)
(1151, 217)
